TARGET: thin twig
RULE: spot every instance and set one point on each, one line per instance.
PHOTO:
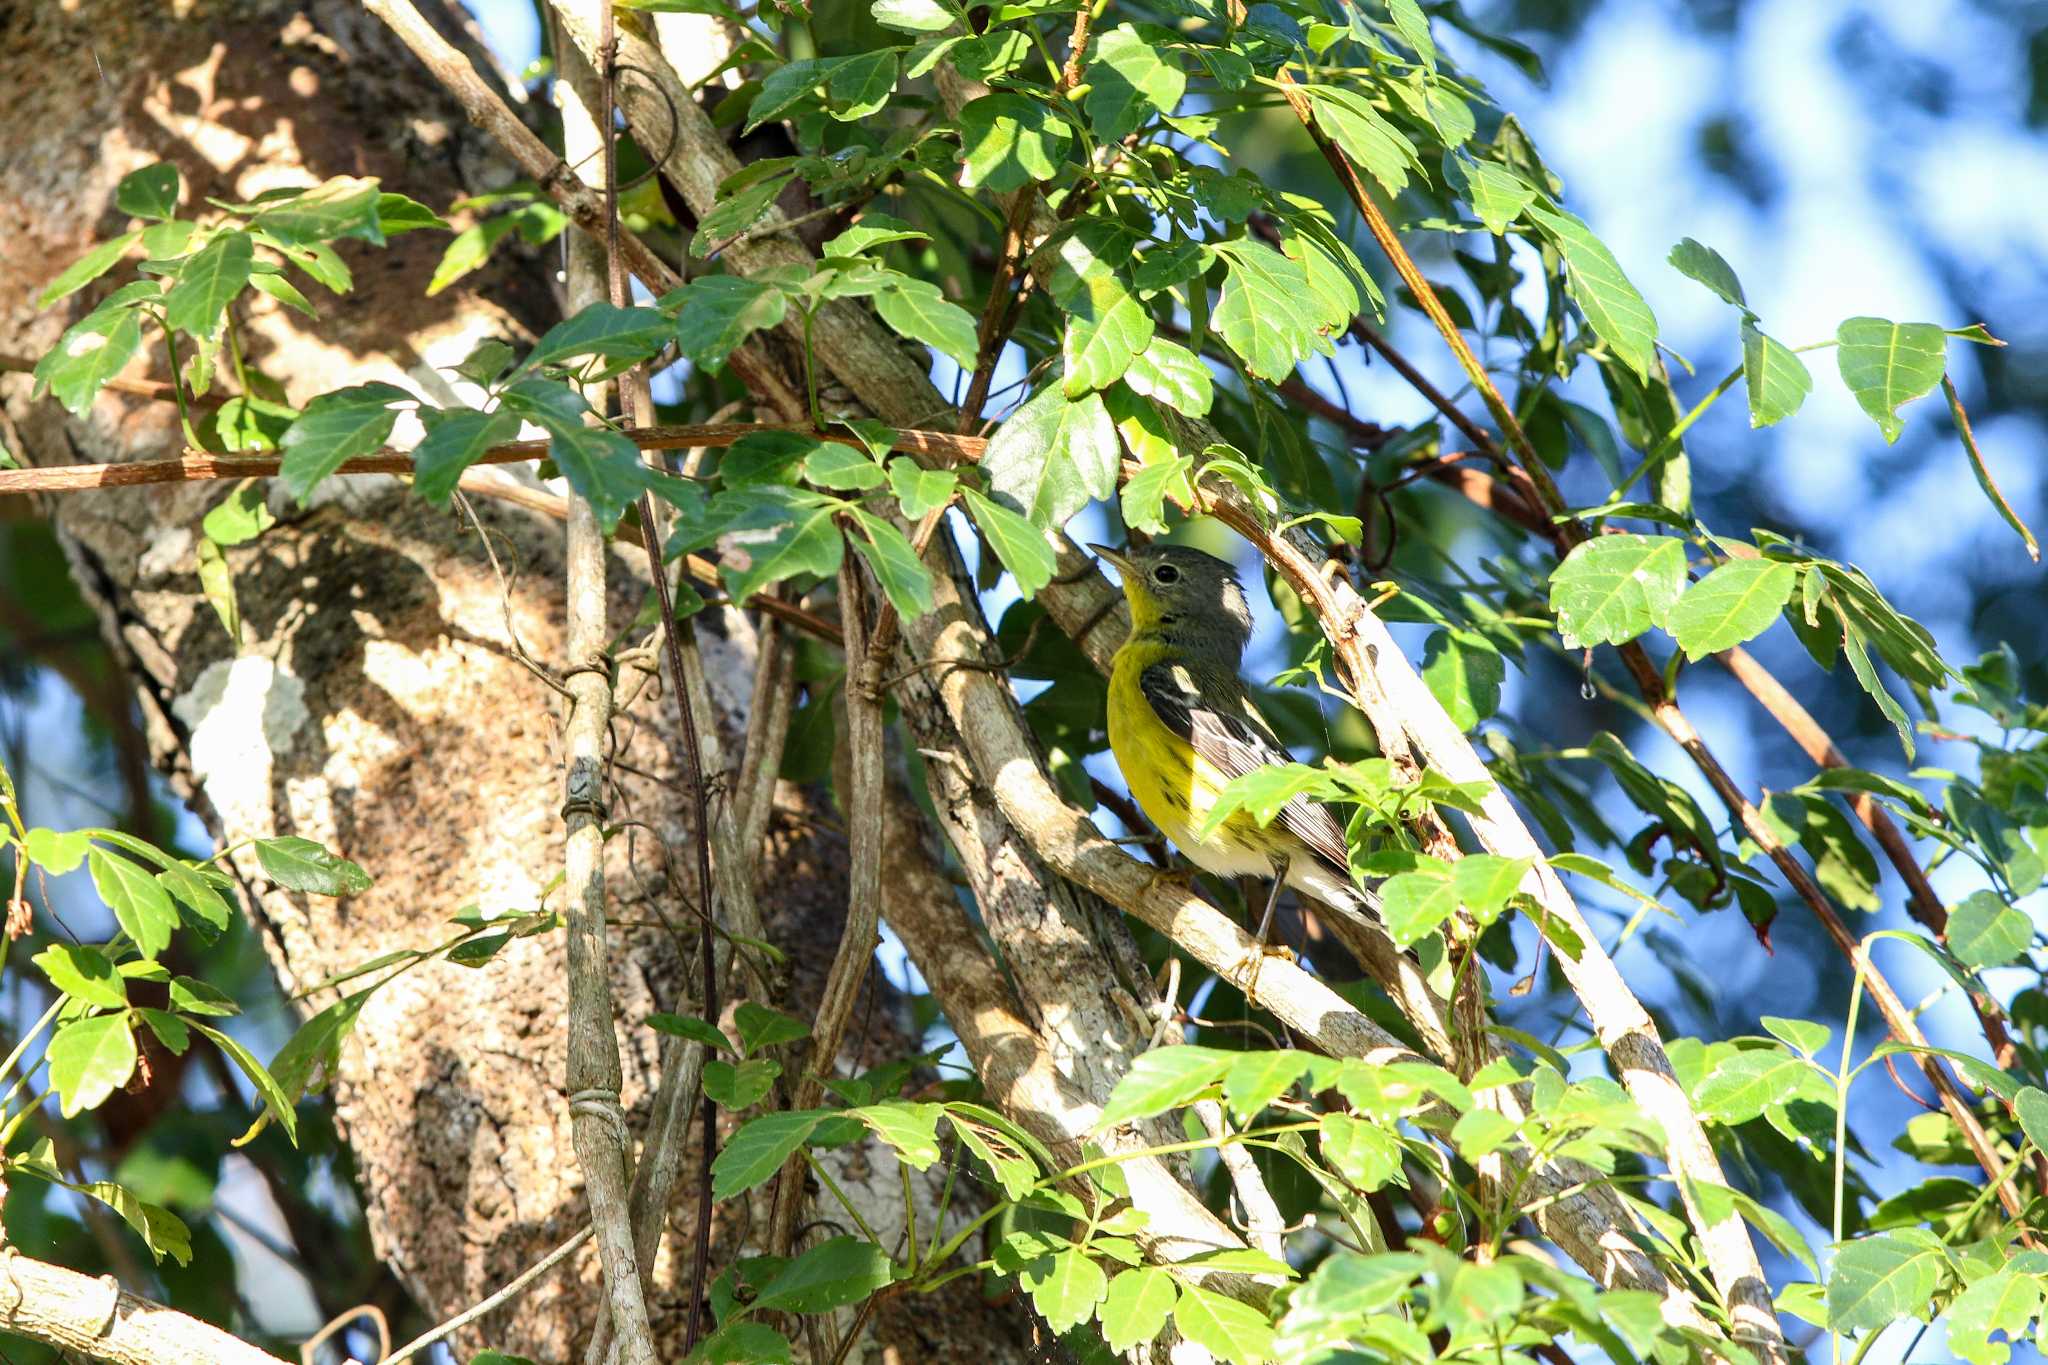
(497, 1300)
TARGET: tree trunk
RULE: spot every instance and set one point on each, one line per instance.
(385, 700)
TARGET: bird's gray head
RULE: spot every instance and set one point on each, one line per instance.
(1183, 595)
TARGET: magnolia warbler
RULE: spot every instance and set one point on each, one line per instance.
(1182, 726)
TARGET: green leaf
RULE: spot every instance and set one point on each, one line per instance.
(1495, 193)
(298, 864)
(920, 492)
(761, 1027)
(151, 192)
(1716, 1202)
(217, 582)
(1887, 363)
(1742, 1086)
(1464, 673)
(93, 350)
(756, 1152)
(1053, 456)
(190, 996)
(1172, 374)
(1480, 1295)
(861, 84)
(912, 1130)
(1008, 141)
(1365, 1154)
(889, 553)
(140, 904)
(1415, 904)
(715, 313)
(917, 309)
(84, 974)
(873, 229)
(602, 329)
(1364, 135)
(57, 852)
(1776, 378)
(687, 1026)
(1145, 493)
(336, 427)
(1986, 932)
(1802, 1035)
(207, 282)
(456, 439)
(1735, 603)
(2003, 1301)
(1413, 25)
(398, 213)
(841, 467)
(345, 206)
(1843, 863)
(2031, 1108)
(1135, 1305)
(242, 515)
(1129, 80)
(1266, 312)
(1611, 304)
(603, 467)
(809, 544)
(836, 1272)
(1017, 543)
(1706, 265)
(276, 1102)
(245, 423)
(738, 1085)
(739, 1343)
(90, 1059)
(1229, 1330)
(1064, 1287)
(913, 16)
(1486, 880)
(1162, 1079)
(88, 268)
(1255, 1079)
(313, 1053)
(1878, 1280)
(1014, 1171)
(1610, 589)
(1106, 327)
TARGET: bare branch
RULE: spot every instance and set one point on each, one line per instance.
(97, 1318)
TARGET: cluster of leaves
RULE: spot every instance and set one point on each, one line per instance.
(89, 1034)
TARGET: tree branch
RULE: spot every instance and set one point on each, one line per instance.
(97, 1318)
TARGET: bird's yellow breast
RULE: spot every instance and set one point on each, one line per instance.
(1175, 787)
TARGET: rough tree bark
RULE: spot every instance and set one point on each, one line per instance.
(380, 703)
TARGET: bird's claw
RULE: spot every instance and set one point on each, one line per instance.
(1245, 974)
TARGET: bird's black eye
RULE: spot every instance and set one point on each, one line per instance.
(1166, 573)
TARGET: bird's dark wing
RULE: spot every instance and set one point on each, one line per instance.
(1236, 742)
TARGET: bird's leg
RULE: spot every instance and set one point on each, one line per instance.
(1261, 950)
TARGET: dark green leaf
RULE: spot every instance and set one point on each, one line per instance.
(336, 427)
(602, 329)
(603, 467)
(1704, 264)
(1162, 1079)
(1106, 326)
(1878, 1280)
(836, 1272)
(736, 1085)
(456, 439)
(920, 491)
(686, 1026)
(1464, 673)
(298, 864)
(761, 1027)
(276, 1102)
(810, 544)
(717, 312)
(151, 192)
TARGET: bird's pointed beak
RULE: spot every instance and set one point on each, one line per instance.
(1123, 565)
